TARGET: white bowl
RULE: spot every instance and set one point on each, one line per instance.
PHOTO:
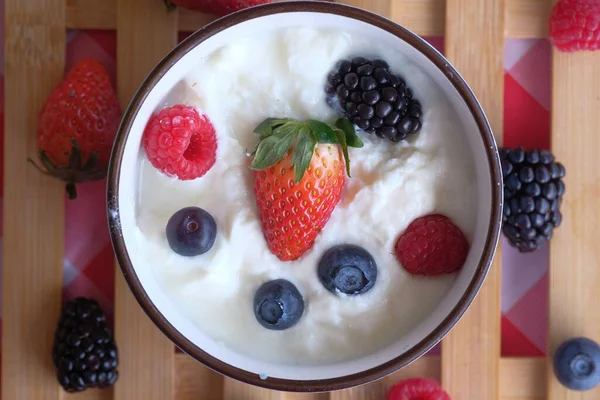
(124, 175)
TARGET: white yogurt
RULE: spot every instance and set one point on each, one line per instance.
(283, 75)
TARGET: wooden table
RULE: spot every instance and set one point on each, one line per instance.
(471, 367)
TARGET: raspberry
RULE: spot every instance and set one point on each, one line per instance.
(180, 142)
(417, 389)
(575, 25)
(432, 245)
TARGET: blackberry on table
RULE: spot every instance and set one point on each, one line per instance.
(84, 352)
(533, 190)
(374, 99)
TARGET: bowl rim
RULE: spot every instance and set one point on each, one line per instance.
(231, 371)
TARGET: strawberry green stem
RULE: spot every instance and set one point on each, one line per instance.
(170, 5)
(71, 191)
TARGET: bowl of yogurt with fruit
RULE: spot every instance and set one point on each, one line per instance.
(304, 196)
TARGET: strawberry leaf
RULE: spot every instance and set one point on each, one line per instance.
(323, 132)
(351, 137)
(170, 5)
(342, 138)
(272, 149)
(303, 152)
(266, 127)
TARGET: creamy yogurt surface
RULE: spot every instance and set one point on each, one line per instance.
(282, 74)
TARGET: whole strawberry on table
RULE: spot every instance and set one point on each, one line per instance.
(77, 126)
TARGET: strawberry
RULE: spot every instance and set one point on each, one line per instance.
(298, 179)
(215, 7)
(77, 126)
(417, 389)
(432, 245)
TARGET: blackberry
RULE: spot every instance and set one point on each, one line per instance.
(84, 352)
(533, 190)
(373, 98)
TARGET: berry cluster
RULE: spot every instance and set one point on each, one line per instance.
(373, 98)
(533, 190)
(84, 352)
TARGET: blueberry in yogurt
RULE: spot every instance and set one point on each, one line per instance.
(278, 304)
(191, 231)
(347, 269)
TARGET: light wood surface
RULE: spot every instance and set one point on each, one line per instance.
(520, 379)
(471, 351)
(33, 215)
(193, 381)
(575, 251)
(144, 35)
(524, 18)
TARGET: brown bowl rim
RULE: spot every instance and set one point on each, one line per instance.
(228, 370)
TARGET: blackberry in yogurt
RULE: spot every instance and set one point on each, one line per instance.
(374, 98)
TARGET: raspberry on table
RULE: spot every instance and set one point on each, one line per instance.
(575, 25)
(432, 245)
(533, 190)
(180, 142)
(84, 352)
(417, 389)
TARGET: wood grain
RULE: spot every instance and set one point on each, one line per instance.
(426, 367)
(524, 18)
(527, 18)
(424, 17)
(381, 7)
(91, 394)
(471, 352)
(574, 252)
(91, 14)
(193, 381)
(34, 205)
(234, 390)
(522, 378)
(146, 355)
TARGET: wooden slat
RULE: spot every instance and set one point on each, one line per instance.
(426, 367)
(424, 17)
(575, 254)
(381, 7)
(193, 381)
(519, 379)
(524, 18)
(522, 378)
(92, 394)
(33, 203)
(234, 390)
(527, 18)
(145, 34)
(471, 351)
(91, 14)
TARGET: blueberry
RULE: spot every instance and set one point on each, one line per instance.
(577, 364)
(348, 269)
(191, 231)
(278, 305)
